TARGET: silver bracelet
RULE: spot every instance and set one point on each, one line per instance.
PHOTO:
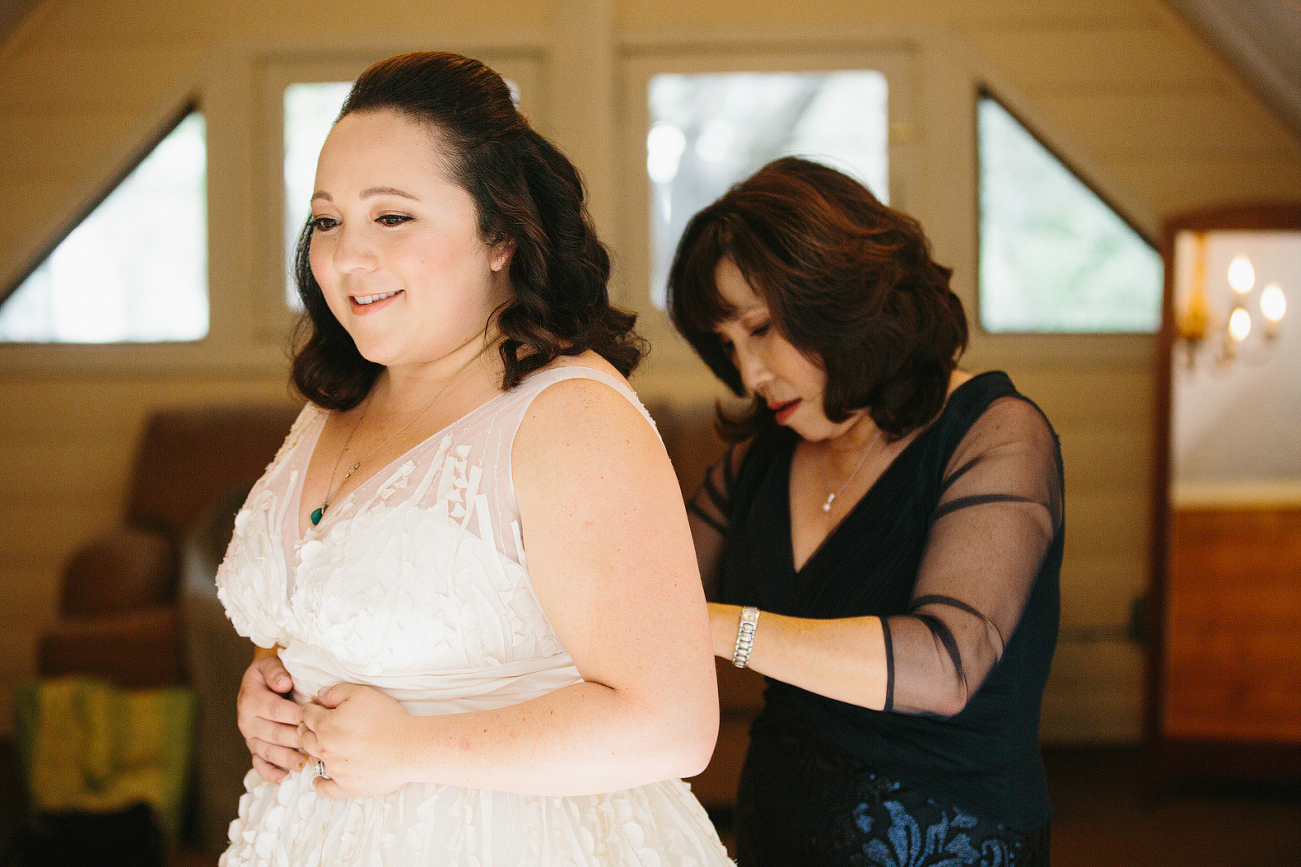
(745, 636)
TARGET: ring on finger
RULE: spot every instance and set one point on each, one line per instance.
(320, 769)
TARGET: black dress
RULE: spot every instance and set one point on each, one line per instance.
(958, 548)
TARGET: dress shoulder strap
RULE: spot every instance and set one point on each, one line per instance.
(490, 434)
(523, 395)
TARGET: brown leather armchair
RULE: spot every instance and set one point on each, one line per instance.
(118, 613)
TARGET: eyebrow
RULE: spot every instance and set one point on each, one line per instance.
(368, 193)
(739, 313)
(740, 318)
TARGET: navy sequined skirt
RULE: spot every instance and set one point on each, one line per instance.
(803, 801)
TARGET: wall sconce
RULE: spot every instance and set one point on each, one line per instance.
(1196, 323)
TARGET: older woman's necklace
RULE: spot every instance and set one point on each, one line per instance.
(831, 497)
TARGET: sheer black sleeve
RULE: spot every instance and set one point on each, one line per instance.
(708, 511)
(999, 508)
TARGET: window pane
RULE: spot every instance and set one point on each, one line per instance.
(710, 131)
(1053, 256)
(136, 269)
(310, 110)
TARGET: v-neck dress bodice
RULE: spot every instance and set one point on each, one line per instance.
(958, 548)
(417, 584)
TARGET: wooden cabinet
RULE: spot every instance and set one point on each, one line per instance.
(1232, 637)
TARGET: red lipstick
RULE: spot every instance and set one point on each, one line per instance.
(784, 410)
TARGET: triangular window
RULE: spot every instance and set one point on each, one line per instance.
(135, 270)
(1054, 257)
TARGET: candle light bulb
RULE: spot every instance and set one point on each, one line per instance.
(1242, 276)
(1273, 304)
(1239, 324)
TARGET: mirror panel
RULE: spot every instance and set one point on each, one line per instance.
(1236, 404)
(1225, 673)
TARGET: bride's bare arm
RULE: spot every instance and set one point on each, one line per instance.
(612, 562)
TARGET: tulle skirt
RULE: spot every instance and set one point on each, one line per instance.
(289, 825)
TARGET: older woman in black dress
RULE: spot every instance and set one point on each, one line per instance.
(883, 542)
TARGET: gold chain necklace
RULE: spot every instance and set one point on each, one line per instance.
(319, 512)
(831, 497)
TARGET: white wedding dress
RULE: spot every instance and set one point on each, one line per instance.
(416, 584)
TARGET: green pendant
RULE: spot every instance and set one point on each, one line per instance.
(316, 515)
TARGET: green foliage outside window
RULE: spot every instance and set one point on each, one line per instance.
(1054, 257)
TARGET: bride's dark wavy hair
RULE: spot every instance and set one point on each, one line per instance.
(525, 192)
(849, 282)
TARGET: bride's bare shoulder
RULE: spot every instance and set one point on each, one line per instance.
(604, 415)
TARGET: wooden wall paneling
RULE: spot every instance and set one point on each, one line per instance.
(93, 72)
(29, 589)
(1233, 625)
(1096, 394)
(73, 77)
(1184, 181)
(1075, 57)
(50, 533)
(1202, 120)
(1104, 453)
(17, 665)
(966, 17)
(1109, 522)
(1102, 415)
(1094, 692)
(1099, 589)
(45, 166)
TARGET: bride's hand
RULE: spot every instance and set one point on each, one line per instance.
(358, 733)
(268, 721)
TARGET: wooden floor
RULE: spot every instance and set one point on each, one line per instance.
(1104, 817)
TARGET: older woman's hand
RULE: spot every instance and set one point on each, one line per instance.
(359, 734)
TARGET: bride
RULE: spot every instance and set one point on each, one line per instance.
(469, 567)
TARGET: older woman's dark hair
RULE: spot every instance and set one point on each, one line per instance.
(848, 281)
(525, 192)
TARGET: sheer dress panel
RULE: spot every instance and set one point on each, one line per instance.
(708, 511)
(999, 508)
